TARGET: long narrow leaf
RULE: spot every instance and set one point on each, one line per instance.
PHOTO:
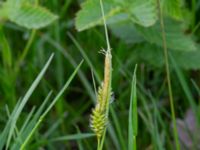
(133, 118)
(50, 106)
(73, 137)
(14, 117)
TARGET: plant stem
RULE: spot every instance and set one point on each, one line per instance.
(168, 76)
(99, 143)
(193, 13)
(195, 28)
(110, 72)
(25, 51)
(6, 51)
(105, 26)
(102, 140)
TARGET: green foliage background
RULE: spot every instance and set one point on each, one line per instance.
(30, 31)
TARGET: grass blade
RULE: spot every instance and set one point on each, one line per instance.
(50, 106)
(133, 118)
(73, 137)
(18, 109)
(24, 132)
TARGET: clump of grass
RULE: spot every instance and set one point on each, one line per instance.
(99, 116)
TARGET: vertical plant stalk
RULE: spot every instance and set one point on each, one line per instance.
(6, 51)
(7, 64)
(168, 75)
(193, 13)
(25, 51)
(99, 117)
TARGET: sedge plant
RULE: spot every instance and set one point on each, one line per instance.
(99, 116)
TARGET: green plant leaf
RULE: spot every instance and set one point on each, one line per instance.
(6, 51)
(126, 31)
(41, 118)
(31, 16)
(90, 13)
(175, 37)
(152, 55)
(188, 60)
(144, 12)
(149, 54)
(73, 137)
(141, 12)
(15, 3)
(8, 131)
(27, 127)
(172, 8)
(133, 115)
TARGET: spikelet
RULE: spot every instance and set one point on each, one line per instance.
(98, 122)
(107, 77)
(99, 116)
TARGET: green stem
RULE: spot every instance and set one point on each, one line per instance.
(7, 70)
(25, 51)
(27, 47)
(6, 51)
(99, 142)
(195, 28)
(102, 140)
(65, 8)
(134, 143)
(109, 86)
(168, 76)
(105, 26)
(193, 13)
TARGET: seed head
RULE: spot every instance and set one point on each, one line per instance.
(99, 116)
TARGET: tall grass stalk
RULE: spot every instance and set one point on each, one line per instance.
(99, 117)
(108, 71)
(166, 59)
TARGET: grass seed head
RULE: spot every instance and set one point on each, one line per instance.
(98, 122)
(99, 116)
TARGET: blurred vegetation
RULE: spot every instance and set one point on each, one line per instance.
(30, 31)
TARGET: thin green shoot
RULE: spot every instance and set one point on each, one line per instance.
(133, 115)
(166, 59)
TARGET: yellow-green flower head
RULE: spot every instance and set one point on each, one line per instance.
(99, 116)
